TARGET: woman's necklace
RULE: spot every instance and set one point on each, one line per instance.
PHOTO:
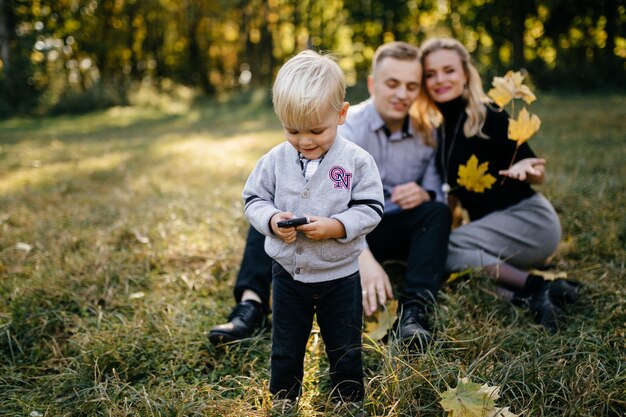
(445, 156)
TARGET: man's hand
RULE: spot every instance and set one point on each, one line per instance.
(321, 228)
(288, 234)
(529, 169)
(409, 195)
(374, 281)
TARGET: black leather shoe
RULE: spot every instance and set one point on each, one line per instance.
(544, 311)
(245, 319)
(413, 329)
(563, 291)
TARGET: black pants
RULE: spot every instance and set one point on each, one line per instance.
(337, 306)
(418, 236)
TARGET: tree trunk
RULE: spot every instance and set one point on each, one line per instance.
(197, 58)
(5, 56)
(518, 17)
(611, 33)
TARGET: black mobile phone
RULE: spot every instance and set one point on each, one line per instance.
(293, 222)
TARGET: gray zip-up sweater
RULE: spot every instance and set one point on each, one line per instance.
(346, 187)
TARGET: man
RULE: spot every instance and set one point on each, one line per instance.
(414, 229)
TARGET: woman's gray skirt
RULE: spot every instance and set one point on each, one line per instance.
(524, 235)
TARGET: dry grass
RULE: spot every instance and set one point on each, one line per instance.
(120, 237)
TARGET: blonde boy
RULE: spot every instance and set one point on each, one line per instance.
(336, 186)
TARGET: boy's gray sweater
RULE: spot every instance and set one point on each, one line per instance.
(346, 187)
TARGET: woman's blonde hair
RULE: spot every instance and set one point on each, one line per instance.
(306, 88)
(424, 111)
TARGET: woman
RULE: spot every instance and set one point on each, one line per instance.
(513, 228)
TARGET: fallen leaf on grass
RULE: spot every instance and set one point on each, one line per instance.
(23, 247)
(469, 399)
(136, 295)
(549, 275)
(456, 275)
(382, 320)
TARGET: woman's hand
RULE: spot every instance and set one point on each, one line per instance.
(529, 169)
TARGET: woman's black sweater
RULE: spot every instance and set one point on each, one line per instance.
(497, 150)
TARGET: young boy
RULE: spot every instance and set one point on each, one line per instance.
(336, 187)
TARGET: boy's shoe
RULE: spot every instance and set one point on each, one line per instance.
(283, 407)
(563, 291)
(245, 319)
(349, 409)
(413, 329)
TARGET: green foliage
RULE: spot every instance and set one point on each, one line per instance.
(121, 233)
(95, 98)
(76, 56)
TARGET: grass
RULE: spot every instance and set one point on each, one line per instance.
(121, 234)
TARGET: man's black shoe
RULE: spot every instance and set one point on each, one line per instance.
(413, 329)
(563, 291)
(245, 319)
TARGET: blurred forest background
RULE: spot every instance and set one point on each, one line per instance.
(70, 56)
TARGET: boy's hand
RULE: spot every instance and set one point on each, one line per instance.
(287, 234)
(321, 228)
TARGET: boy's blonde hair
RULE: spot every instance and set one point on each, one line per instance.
(307, 88)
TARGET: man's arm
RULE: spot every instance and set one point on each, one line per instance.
(374, 281)
(409, 195)
(431, 181)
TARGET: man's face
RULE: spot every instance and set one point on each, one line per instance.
(394, 87)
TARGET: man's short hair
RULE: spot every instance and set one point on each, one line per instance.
(398, 50)
(306, 88)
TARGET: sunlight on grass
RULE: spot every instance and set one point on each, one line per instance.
(56, 172)
(121, 234)
(238, 152)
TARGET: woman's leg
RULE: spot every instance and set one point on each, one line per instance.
(506, 243)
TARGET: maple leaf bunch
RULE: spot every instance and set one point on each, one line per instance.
(522, 126)
(505, 91)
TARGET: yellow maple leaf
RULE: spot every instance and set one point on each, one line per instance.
(468, 399)
(524, 127)
(501, 93)
(509, 87)
(525, 94)
(472, 176)
(377, 326)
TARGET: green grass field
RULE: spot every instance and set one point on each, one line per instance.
(121, 234)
